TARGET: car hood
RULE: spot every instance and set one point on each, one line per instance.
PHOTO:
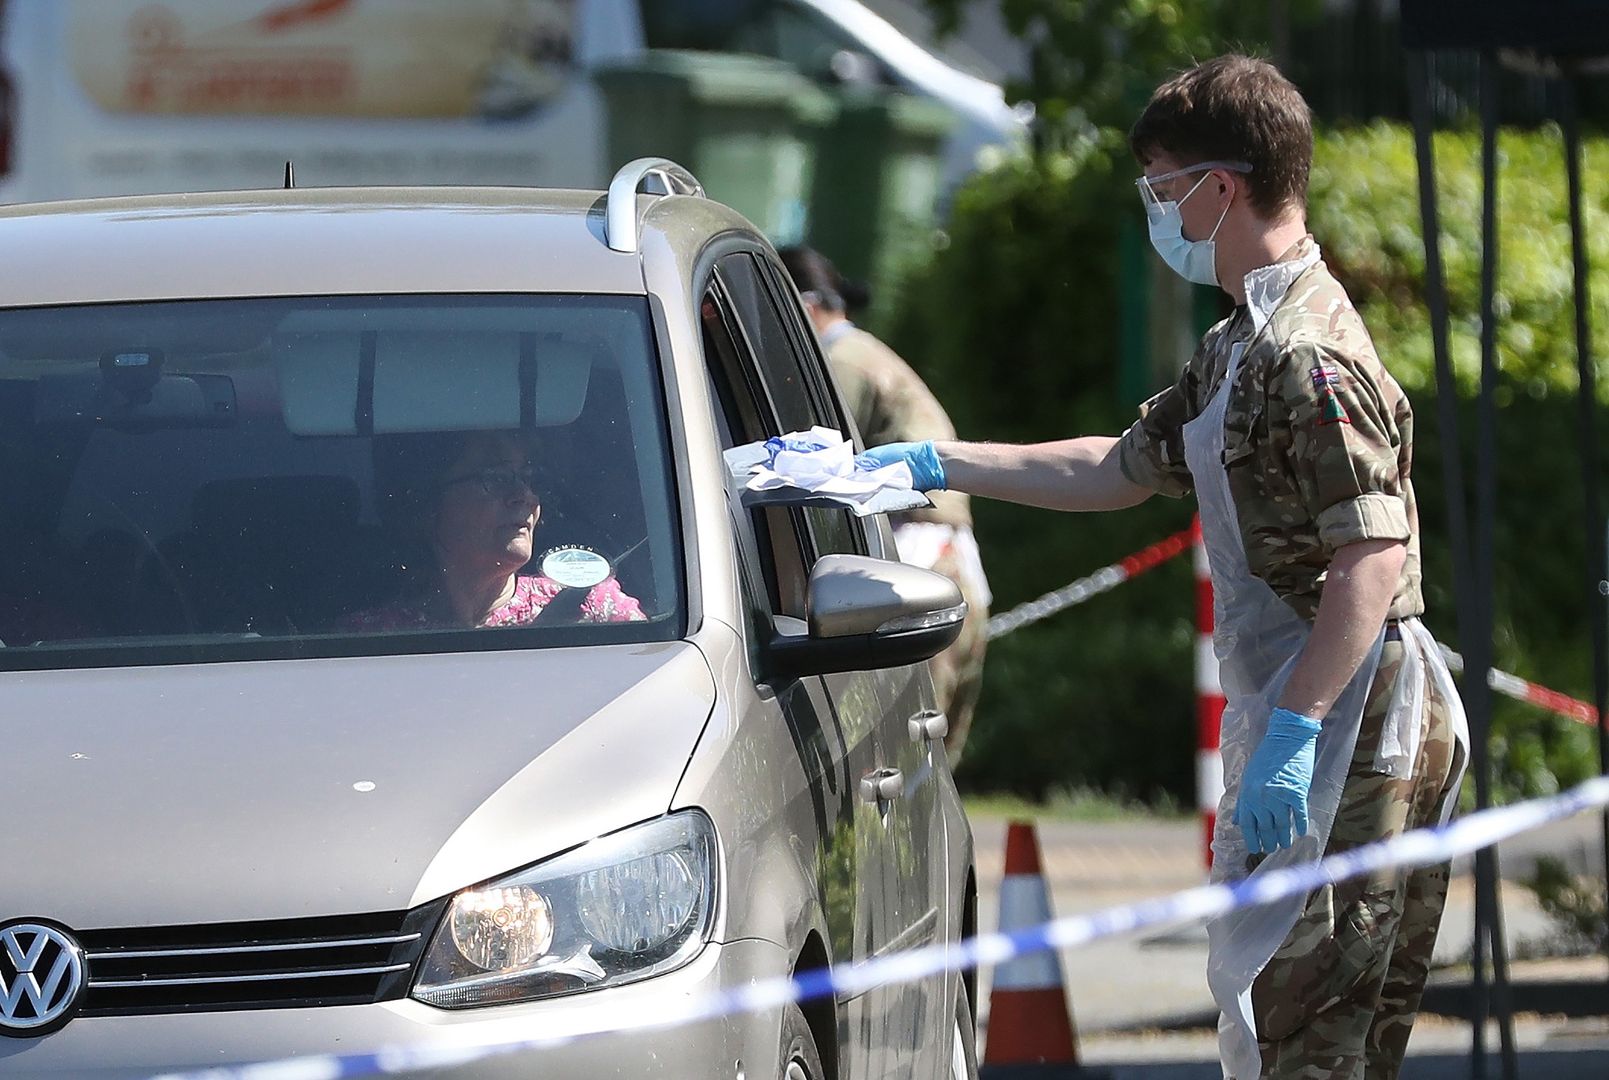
(281, 789)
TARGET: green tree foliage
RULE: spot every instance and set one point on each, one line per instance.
(1095, 61)
(1365, 211)
(1014, 323)
(1365, 207)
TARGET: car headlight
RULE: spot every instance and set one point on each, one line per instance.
(625, 907)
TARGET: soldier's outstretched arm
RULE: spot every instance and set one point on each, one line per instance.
(1070, 474)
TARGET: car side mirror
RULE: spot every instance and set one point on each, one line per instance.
(864, 613)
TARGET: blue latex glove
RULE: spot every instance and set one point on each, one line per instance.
(1273, 791)
(927, 472)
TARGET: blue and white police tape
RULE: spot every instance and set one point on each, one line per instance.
(1422, 847)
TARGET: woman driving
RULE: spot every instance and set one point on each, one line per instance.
(472, 501)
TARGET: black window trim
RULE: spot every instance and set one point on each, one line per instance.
(679, 468)
(754, 378)
(356, 646)
(811, 364)
(817, 376)
(721, 383)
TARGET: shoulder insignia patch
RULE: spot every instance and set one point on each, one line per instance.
(1325, 379)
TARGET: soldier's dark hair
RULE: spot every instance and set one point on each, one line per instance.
(813, 272)
(1233, 108)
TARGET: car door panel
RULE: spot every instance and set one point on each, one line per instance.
(849, 849)
(778, 774)
(917, 859)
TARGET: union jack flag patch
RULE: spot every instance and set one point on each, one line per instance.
(1325, 379)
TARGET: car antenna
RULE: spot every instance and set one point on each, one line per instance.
(290, 176)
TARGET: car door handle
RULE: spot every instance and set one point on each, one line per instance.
(882, 785)
(928, 724)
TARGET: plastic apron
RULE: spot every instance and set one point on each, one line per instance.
(1257, 639)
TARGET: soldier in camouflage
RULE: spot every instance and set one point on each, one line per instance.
(1313, 420)
(1341, 726)
(890, 402)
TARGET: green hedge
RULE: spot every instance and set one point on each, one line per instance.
(1014, 322)
(1366, 214)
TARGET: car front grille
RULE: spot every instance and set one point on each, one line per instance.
(294, 963)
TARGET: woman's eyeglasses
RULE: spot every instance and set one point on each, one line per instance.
(499, 482)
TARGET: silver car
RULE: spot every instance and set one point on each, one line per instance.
(391, 661)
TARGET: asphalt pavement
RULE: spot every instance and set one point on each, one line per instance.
(1140, 1005)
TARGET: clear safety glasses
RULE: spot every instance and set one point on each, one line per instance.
(1153, 199)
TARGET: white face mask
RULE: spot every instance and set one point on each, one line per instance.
(1193, 260)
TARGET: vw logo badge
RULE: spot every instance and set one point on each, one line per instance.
(41, 977)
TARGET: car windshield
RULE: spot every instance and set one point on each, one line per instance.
(232, 479)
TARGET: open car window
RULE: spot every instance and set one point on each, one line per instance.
(230, 479)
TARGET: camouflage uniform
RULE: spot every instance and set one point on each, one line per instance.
(891, 403)
(1318, 441)
(1318, 453)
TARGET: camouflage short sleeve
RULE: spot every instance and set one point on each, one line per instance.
(1346, 425)
(1151, 451)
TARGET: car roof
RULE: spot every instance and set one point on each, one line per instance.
(324, 241)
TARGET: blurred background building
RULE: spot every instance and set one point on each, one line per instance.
(843, 123)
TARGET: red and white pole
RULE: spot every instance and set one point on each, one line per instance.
(1209, 699)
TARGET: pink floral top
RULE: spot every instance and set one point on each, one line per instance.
(606, 602)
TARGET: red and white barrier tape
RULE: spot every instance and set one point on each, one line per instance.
(1110, 577)
(1515, 687)
(1102, 580)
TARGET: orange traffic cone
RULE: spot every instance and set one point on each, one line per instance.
(1030, 1031)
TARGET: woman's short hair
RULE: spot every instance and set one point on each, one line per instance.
(408, 474)
(1233, 108)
